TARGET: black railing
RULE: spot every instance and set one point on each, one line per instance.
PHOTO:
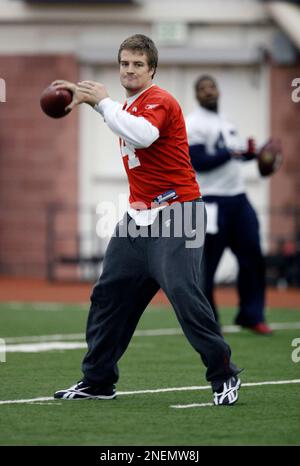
(60, 242)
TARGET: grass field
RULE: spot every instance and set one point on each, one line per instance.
(265, 414)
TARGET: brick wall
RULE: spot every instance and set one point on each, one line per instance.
(38, 162)
(285, 123)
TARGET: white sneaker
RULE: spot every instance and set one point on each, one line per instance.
(82, 391)
(227, 393)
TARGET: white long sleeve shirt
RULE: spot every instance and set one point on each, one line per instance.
(207, 128)
(136, 131)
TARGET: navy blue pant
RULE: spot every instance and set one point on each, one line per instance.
(238, 230)
(134, 268)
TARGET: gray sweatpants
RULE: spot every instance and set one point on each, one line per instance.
(138, 262)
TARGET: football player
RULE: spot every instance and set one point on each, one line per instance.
(146, 252)
(217, 152)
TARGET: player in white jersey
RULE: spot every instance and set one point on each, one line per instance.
(217, 153)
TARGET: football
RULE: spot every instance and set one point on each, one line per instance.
(53, 101)
(270, 157)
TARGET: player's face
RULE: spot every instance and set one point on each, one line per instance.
(135, 74)
(208, 94)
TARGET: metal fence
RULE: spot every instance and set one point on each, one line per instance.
(61, 243)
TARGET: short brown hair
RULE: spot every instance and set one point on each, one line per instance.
(143, 44)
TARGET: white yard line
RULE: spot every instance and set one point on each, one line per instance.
(43, 398)
(41, 347)
(81, 336)
(162, 390)
(285, 325)
(194, 405)
(250, 384)
(45, 338)
(274, 326)
(45, 306)
(34, 344)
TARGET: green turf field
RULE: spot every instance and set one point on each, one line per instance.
(265, 414)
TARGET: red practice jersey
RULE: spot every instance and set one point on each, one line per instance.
(165, 165)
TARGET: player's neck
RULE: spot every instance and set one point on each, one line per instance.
(136, 92)
(210, 108)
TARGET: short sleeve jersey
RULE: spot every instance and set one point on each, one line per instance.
(164, 165)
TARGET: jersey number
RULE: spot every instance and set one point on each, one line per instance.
(128, 149)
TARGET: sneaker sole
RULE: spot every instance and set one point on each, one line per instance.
(68, 397)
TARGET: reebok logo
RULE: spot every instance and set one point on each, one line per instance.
(151, 106)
